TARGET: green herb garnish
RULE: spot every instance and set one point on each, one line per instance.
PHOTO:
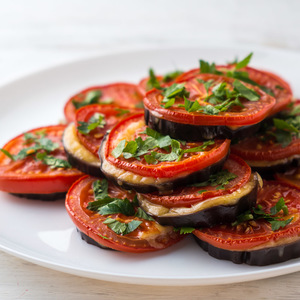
(258, 213)
(106, 205)
(184, 230)
(96, 121)
(221, 179)
(91, 97)
(143, 148)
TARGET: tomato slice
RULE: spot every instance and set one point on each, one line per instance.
(253, 111)
(112, 115)
(263, 146)
(255, 149)
(290, 177)
(32, 176)
(149, 236)
(124, 94)
(189, 195)
(257, 234)
(130, 128)
(278, 86)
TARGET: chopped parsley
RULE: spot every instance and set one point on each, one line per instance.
(106, 206)
(283, 129)
(91, 97)
(40, 150)
(96, 121)
(172, 93)
(220, 179)
(153, 81)
(171, 76)
(222, 98)
(145, 148)
(184, 230)
(206, 67)
(258, 213)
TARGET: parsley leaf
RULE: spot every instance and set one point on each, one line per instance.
(91, 97)
(171, 76)
(120, 227)
(140, 147)
(221, 178)
(96, 121)
(52, 161)
(184, 230)
(244, 62)
(176, 90)
(152, 81)
(258, 213)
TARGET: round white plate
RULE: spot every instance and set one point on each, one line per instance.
(42, 232)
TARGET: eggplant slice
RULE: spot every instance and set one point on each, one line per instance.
(196, 133)
(78, 156)
(42, 197)
(261, 257)
(90, 241)
(141, 184)
(212, 214)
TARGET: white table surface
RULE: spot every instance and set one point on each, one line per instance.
(37, 34)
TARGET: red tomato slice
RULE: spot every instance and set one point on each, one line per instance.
(124, 94)
(31, 176)
(189, 195)
(112, 113)
(254, 149)
(252, 113)
(280, 88)
(290, 177)
(149, 236)
(189, 163)
(251, 234)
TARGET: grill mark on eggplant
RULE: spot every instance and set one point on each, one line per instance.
(261, 257)
(169, 186)
(196, 133)
(220, 214)
(43, 197)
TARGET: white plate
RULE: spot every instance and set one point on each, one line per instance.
(42, 232)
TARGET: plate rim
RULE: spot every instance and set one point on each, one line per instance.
(281, 270)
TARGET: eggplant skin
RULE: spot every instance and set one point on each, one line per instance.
(268, 172)
(220, 214)
(90, 241)
(43, 197)
(82, 165)
(196, 133)
(261, 257)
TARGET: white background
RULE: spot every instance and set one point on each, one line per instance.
(37, 34)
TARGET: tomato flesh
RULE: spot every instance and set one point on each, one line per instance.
(279, 87)
(112, 114)
(250, 234)
(124, 94)
(31, 176)
(189, 195)
(252, 113)
(190, 162)
(91, 223)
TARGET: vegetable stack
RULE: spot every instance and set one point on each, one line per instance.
(184, 153)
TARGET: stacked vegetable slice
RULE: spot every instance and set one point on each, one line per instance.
(157, 174)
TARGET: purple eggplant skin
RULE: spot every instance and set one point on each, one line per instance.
(196, 133)
(220, 214)
(261, 257)
(42, 197)
(90, 241)
(169, 186)
(268, 172)
(83, 166)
